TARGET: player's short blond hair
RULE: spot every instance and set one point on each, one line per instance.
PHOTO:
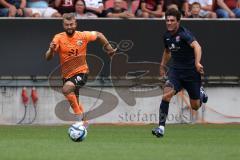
(69, 16)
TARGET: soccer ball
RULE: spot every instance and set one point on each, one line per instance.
(77, 132)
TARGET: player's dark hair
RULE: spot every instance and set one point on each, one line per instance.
(68, 16)
(173, 12)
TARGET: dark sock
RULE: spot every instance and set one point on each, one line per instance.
(163, 112)
(201, 98)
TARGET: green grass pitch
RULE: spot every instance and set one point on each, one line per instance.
(107, 142)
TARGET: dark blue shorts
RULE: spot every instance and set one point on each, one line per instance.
(187, 79)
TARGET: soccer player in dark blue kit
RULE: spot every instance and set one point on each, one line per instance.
(185, 70)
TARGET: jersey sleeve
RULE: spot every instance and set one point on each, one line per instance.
(188, 37)
(91, 36)
(56, 41)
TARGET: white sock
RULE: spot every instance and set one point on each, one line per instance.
(78, 123)
(162, 128)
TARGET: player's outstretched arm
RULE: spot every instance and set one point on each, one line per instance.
(106, 45)
(165, 58)
(50, 52)
(198, 54)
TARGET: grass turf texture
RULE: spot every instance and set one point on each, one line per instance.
(106, 142)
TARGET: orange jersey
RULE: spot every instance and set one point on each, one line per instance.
(72, 52)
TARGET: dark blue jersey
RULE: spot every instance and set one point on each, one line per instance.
(179, 45)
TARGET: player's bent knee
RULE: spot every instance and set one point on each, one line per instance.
(167, 97)
(195, 104)
(195, 107)
(68, 87)
(65, 91)
(168, 93)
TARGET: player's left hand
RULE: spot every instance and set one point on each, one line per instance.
(112, 52)
(199, 68)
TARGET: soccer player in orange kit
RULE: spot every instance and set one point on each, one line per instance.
(71, 46)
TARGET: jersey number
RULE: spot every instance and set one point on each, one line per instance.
(73, 52)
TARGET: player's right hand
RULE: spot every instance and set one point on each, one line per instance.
(52, 47)
(162, 71)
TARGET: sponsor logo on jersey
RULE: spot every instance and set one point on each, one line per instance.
(177, 38)
(79, 42)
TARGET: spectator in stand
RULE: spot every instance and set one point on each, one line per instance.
(95, 6)
(206, 8)
(150, 9)
(64, 6)
(131, 4)
(195, 10)
(12, 8)
(183, 6)
(40, 8)
(80, 11)
(228, 9)
(117, 11)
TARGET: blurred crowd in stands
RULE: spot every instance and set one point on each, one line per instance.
(120, 8)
